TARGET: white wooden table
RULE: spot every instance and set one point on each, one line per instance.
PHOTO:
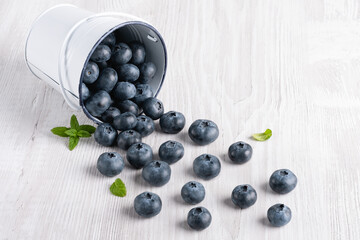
(292, 66)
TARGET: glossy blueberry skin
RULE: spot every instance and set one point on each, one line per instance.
(85, 92)
(91, 73)
(109, 115)
(203, 131)
(199, 218)
(110, 164)
(124, 91)
(143, 92)
(244, 196)
(138, 52)
(102, 53)
(127, 138)
(145, 125)
(105, 134)
(172, 122)
(279, 215)
(107, 80)
(171, 151)
(128, 106)
(283, 181)
(193, 192)
(206, 166)
(147, 70)
(125, 121)
(121, 54)
(156, 173)
(240, 152)
(103, 65)
(147, 204)
(153, 108)
(139, 154)
(98, 103)
(109, 40)
(128, 72)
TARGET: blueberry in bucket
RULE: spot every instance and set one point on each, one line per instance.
(125, 121)
(124, 91)
(128, 106)
(91, 73)
(98, 103)
(101, 53)
(143, 92)
(109, 115)
(121, 54)
(107, 80)
(138, 52)
(147, 70)
(128, 72)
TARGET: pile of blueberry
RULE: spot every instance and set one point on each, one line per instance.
(115, 88)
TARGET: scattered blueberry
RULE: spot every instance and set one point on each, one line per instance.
(283, 181)
(128, 72)
(110, 164)
(240, 152)
(193, 192)
(121, 54)
(203, 131)
(128, 138)
(143, 91)
(147, 70)
(109, 40)
(101, 53)
(139, 154)
(153, 108)
(109, 115)
(124, 91)
(244, 196)
(128, 106)
(85, 93)
(145, 125)
(171, 152)
(147, 204)
(105, 134)
(279, 215)
(206, 166)
(199, 218)
(125, 121)
(172, 122)
(91, 73)
(107, 80)
(98, 103)
(156, 173)
(138, 52)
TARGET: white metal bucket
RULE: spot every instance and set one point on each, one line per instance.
(62, 39)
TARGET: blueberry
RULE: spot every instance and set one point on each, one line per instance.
(206, 166)
(124, 91)
(110, 164)
(193, 192)
(172, 122)
(156, 173)
(98, 103)
(128, 138)
(105, 134)
(145, 125)
(147, 70)
(109, 40)
(147, 204)
(101, 53)
(283, 181)
(240, 152)
(199, 218)
(109, 115)
(143, 92)
(84, 92)
(121, 54)
(138, 52)
(143, 80)
(103, 65)
(279, 215)
(171, 152)
(203, 131)
(91, 73)
(107, 80)
(125, 121)
(128, 72)
(139, 154)
(128, 106)
(244, 196)
(153, 108)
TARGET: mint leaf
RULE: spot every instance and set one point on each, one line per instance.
(118, 188)
(263, 136)
(60, 131)
(74, 124)
(83, 133)
(90, 129)
(71, 132)
(73, 141)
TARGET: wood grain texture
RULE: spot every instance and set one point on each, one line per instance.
(292, 66)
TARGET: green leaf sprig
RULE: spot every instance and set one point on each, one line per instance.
(118, 188)
(263, 136)
(75, 132)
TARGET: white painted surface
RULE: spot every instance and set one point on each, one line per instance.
(292, 66)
